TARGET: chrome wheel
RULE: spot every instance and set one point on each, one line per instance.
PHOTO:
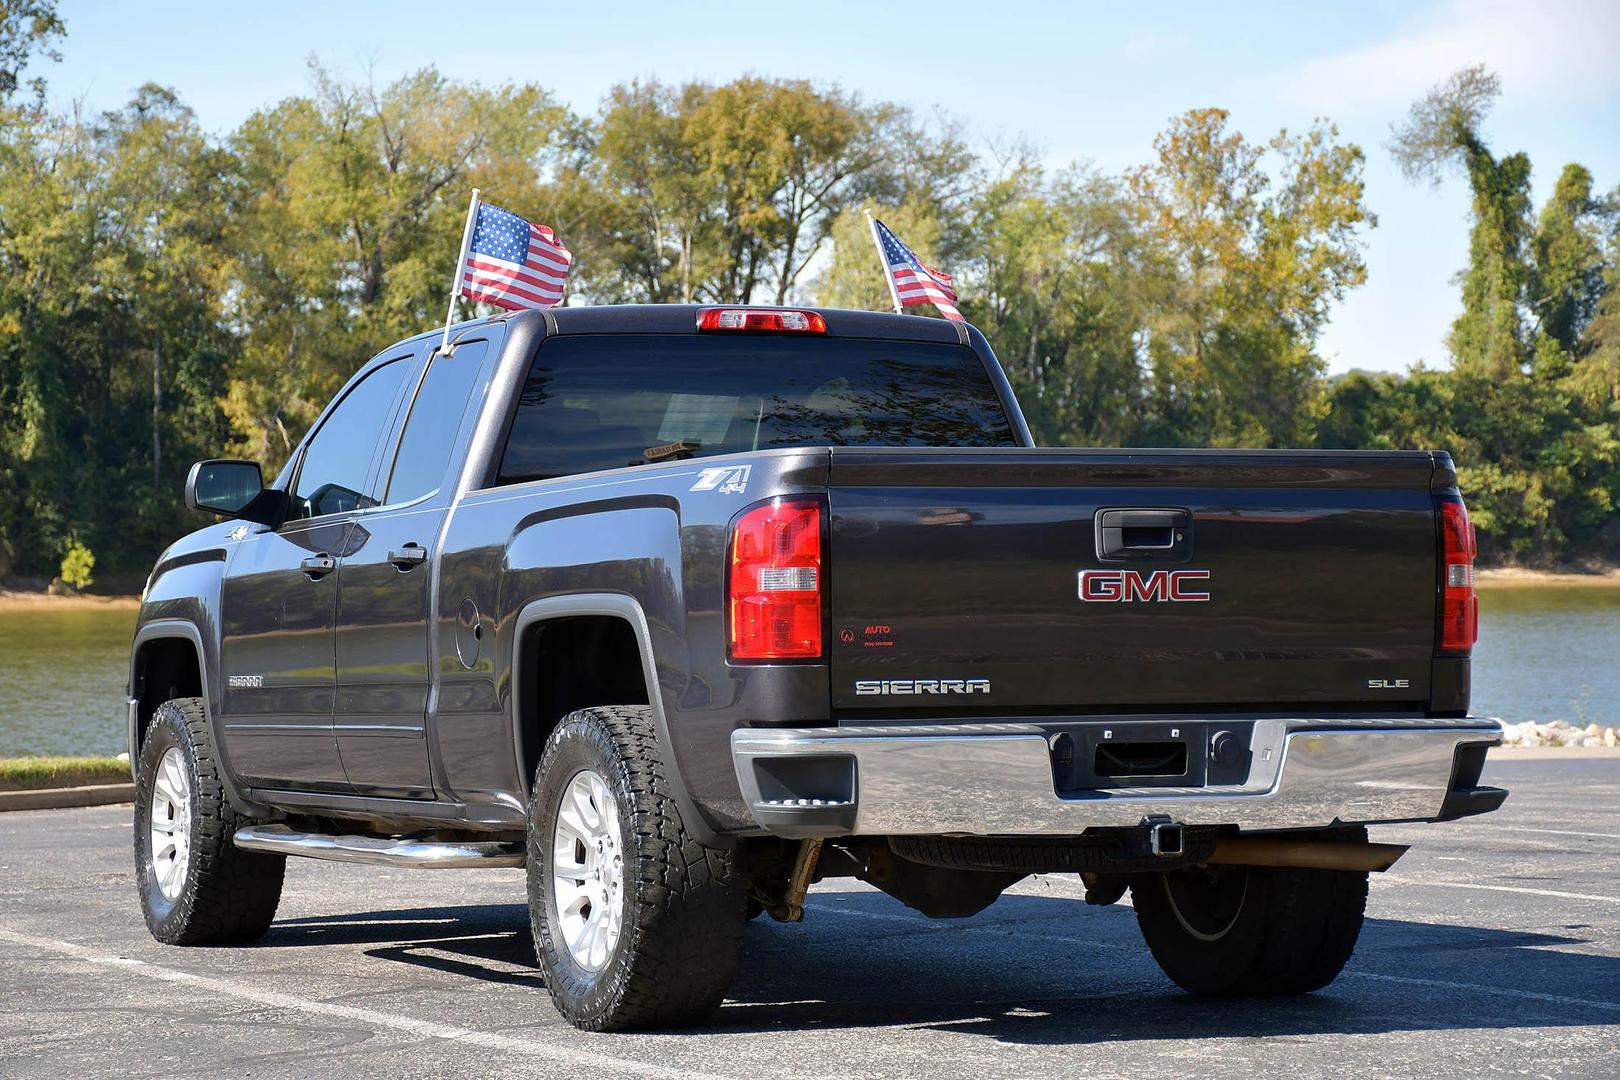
(587, 879)
(170, 824)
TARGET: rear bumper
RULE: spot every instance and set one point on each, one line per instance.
(996, 779)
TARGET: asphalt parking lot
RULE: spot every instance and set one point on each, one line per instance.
(1493, 948)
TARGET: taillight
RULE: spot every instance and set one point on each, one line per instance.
(1459, 610)
(736, 318)
(774, 590)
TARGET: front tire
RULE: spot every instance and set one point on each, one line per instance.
(1231, 931)
(197, 887)
(636, 924)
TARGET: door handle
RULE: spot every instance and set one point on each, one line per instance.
(318, 566)
(408, 557)
(1159, 533)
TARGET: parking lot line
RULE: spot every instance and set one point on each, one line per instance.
(1506, 889)
(573, 1056)
(1503, 991)
(1558, 832)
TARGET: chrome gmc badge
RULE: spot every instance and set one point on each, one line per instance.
(1131, 586)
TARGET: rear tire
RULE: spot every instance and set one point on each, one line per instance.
(197, 887)
(1229, 931)
(636, 924)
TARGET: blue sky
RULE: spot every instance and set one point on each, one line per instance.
(1082, 82)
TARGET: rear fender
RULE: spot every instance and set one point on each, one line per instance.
(626, 608)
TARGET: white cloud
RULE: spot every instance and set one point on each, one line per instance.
(1557, 49)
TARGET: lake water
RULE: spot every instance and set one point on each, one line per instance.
(1544, 654)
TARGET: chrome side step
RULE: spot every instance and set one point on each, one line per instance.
(381, 850)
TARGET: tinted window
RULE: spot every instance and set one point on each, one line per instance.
(424, 449)
(332, 477)
(603, 402)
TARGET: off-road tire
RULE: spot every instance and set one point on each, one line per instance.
(229, 895)
(684, 904)
(1290, 932)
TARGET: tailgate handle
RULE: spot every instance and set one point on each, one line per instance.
(1142, 532)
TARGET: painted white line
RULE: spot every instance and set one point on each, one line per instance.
(576, 1058)
(1506, 889)
(1501, 991)
(1558, 832)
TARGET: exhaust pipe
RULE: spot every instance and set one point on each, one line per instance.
(1299, 853)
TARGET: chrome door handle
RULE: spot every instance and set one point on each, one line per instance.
(318, 566)
(408, 557)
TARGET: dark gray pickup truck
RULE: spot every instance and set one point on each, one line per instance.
(685, 609)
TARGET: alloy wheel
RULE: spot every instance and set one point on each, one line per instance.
(587, 882)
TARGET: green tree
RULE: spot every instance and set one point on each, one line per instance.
(348, 209)
(733, 192)
(107, 240)
(1529, 412)
(1442, 134)
(1242, 271)
(28, 29)
(853, 276)
(1566, 275)
(77, 565)
(653, 200)
(1054, 286)
(1597, 373)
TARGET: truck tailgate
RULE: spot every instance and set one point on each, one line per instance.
(1037, 581)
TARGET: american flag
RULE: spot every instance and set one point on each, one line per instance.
(514, 263)
(914, 281)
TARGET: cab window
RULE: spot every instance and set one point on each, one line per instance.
(604, 401)
(332, 477)
(430, 431)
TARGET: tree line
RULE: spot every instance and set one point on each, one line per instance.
(168, 294)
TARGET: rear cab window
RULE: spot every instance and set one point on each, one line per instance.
(427, 444)
(594, 402)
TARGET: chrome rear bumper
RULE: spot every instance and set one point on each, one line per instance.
(996, 779)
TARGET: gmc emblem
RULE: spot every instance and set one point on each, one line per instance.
(1129, 586)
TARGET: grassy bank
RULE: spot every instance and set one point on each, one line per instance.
(18, 600)
(1518, 577)
(33, 773)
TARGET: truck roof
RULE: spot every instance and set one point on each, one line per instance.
(682, 319)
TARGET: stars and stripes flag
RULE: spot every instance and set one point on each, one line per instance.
(511, 262)
(911, 281)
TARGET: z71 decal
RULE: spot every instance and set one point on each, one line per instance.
(726, 479)
(1131, 586)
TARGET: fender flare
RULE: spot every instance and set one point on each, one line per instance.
(172, 629)
(625, 607)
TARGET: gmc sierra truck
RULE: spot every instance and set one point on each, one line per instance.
(685, 609)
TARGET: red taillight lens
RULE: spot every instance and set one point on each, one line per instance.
(1459, 611)
(774, 608)
(733, 318)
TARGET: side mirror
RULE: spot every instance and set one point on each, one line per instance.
(223, 487)
(235, 489)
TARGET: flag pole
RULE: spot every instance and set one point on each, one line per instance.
(883, 261)
(461, 269)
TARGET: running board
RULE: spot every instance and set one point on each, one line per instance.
(380, 850)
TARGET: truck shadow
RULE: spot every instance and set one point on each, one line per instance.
(1040, 970)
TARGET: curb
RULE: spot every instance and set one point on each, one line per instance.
(67, 798)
